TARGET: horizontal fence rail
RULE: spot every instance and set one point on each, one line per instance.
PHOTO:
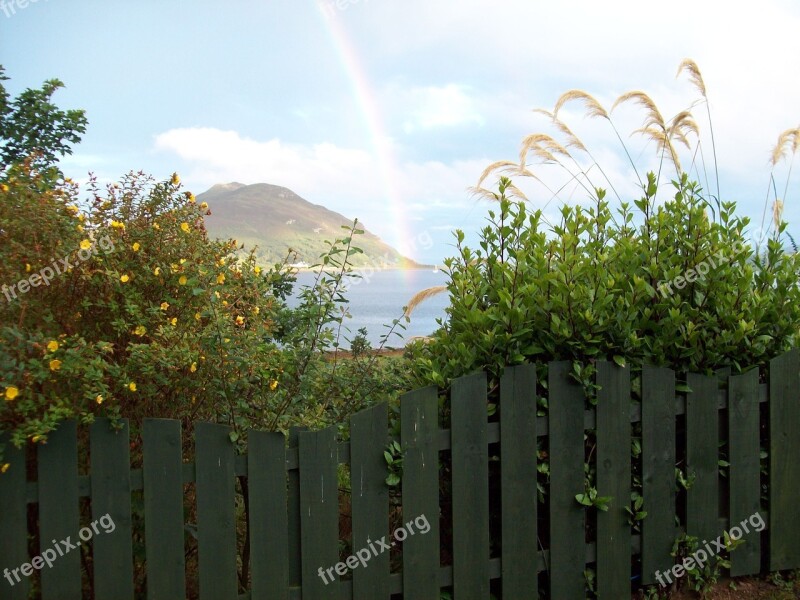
(486, 505)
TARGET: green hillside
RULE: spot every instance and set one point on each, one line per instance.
(275, 219)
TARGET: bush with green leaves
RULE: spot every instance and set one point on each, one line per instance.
(152, 318)
(600, 286)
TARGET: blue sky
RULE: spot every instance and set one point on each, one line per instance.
(388, 110)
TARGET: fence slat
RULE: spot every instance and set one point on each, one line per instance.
(370, 499)
(319, 513)
(518, 482)
(470, 453)
(216, 527)
(293, 508)
(565, 420)
(419, 426)
(163, 509)
(269, 526)
(13, 522)
(613, 479)
(58, 512)
(111, 501)
(745, 469)
(702, 457)
(658, 471)
(784, 459)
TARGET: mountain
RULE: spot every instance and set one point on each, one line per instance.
(276, 219)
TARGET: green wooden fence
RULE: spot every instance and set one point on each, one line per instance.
(510, 546)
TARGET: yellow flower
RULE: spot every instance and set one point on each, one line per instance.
(132, 386)
(81, 218)
(273, 384)
(117, 225)
(27, 268)
(182, 280)
(193, 368)
(174, 268)
(174, 321)
(221, 261)
(221, 278)
(240, 320)
(203, 205)
(140, 330)
(72, 208)
(191, 197)
(216, 293)
(52, 345)
(5, 466)
(156, 226)
(125, 279)
(256, 310)
(4, 187)
(181, 261)
(164, 305)
(175, 179)
(257, 270)
(11, 393)
(99, 399)
(55, 364)
(136, 247)
(224, 303)
(185, 227)
(86, 244)
(79, 228)
(157, 271)
(197, 316)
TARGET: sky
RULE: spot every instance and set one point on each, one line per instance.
(389, 110)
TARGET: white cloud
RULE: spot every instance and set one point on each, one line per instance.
(433, 107)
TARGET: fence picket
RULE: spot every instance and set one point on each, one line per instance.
(614, 480)
(111, 500)
(784, 461)
(419, 427)
(702, 457)
(319, 513)
(658, 471)
(470, 488)
(58, 512)
(216, 527)
(745, 469)
(163, 509)
(269, 528)
(518, 482)
(567, 554)
(370, 499)
(13, 522)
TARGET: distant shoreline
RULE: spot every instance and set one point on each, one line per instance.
(355, 269)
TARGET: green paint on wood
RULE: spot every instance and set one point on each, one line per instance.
(518, 482)
(658, 471)
(614, 480)
(745, 471)
(216, 526)
(269, 528)
(567, 552)
(319, 513)
(370, 500)
(58, 512)
(13, 522)
(419, 428)
(784, 460)
(111, 511)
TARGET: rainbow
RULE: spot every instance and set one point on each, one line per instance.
(368, 105)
